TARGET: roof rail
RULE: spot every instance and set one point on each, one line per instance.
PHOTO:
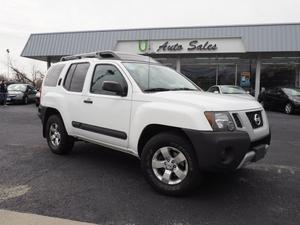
(110, 55)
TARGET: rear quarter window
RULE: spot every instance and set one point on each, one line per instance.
(76, 76)
(53, 75)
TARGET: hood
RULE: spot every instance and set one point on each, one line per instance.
(206, 101)
(295, 98)
(244, 96)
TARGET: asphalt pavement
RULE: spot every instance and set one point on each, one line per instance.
(102, 186)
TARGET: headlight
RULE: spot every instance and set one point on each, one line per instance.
(296, 100)
(220, 121)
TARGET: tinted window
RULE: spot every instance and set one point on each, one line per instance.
(69, 76)
(53, 74)
(106, 73)
(75, 77)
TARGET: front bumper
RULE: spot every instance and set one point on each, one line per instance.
(226, 150)
(296, 107)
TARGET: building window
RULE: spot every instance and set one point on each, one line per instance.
(279, 73)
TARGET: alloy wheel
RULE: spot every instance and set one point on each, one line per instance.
(169, 165)
(288, 108)
(54, 134)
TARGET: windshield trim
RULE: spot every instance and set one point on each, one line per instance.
(158, 64)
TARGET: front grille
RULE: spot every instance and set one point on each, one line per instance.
(255, 119)
(237, 120)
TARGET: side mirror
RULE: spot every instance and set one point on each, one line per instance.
(216, 92)
(114, 87)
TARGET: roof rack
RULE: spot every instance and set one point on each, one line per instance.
(111, 55)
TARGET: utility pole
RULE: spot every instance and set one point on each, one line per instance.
(8, 63)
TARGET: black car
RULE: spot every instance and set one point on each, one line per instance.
(285, 99)
(20, 93)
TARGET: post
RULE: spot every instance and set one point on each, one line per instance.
(257, 77)
(48, 62)
(178, 65)
(236, 74)
(8, 64)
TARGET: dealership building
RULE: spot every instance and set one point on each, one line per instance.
(251, 56)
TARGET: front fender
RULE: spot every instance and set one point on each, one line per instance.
(167, 114)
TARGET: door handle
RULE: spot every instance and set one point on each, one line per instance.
(88, 101)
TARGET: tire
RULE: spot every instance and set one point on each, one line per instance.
(172, 145)
(62, 143)
(289, 108)
(25, 100)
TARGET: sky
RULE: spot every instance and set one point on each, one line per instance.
(20, 18)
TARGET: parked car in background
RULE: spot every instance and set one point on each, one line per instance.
(20, 93)
(286, 99)
(37, 98)
(230, 90)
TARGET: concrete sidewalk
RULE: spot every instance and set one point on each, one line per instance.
(16, 218)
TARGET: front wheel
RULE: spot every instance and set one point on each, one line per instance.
(288, 109)
(58, 139)
(169, 164)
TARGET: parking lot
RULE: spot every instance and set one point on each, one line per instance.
(102, 186)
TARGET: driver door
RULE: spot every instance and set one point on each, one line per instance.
(106, 114)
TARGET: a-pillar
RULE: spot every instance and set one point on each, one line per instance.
(178, 65)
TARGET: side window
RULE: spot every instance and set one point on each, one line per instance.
(53, 74)
(69, 76)
(105, 72)
(75, 77)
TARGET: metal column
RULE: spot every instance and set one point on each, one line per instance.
(178, 65)
(48, 62)
(257, 77)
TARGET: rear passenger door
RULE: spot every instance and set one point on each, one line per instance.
(106, 115)
(73, 93)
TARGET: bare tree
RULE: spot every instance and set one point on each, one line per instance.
(2, 76)
(20, 76)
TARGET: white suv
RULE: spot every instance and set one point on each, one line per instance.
(133, 104)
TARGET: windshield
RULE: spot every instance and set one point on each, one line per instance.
(229, 89)
(151, 77)
(292, 91)
(17, 87)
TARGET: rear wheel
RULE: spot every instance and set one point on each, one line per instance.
(169, 164)
(25, 100)
(58, 139)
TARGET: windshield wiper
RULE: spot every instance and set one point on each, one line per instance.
(156, 89)
(183, 89)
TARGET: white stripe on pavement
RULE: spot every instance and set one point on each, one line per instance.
(16, 218)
